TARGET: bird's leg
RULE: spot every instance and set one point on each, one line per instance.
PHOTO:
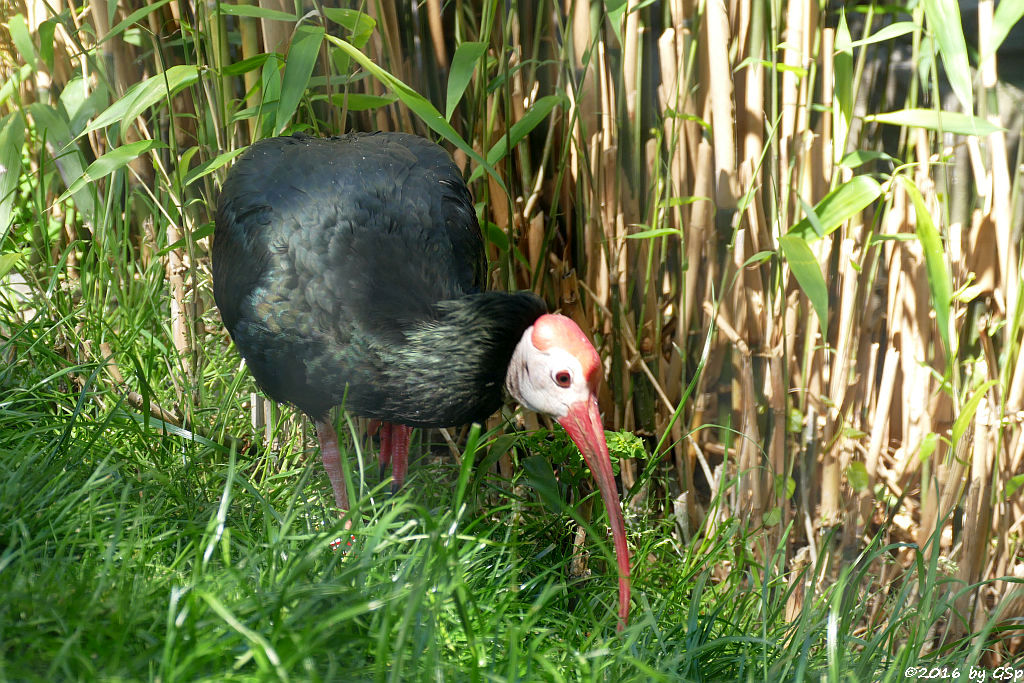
(399, 455)
(384, 457)
(332, 461)
(394, 450)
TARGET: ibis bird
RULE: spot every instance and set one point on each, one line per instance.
(350, 270)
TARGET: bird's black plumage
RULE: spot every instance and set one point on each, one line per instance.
(352, 268)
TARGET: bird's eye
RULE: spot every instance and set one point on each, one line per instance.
(563, 378)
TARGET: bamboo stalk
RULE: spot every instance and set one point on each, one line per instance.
(998, 172)
(978, 514)
(789, 102)
(276, 34)
(720, 95)
(250, 47)
(436, 24)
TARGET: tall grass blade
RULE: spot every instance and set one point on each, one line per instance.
(464, 63)
(935, 265)
(419, 105)
(839, 206)
(808, 275)
(1008, 14)
(112, 161)
(22, 40)
(532, 118)
(941, 121)
(12, 134)
(297, 69)
(256, 12)
(945, 24)
(361, 26)
(142, 96)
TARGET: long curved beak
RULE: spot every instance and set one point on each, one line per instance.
(583, 424)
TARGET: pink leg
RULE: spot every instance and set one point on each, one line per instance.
(384, 457)
(399, 453)
(332, 461)
(394, 450)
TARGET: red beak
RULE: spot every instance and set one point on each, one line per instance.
(583, 424)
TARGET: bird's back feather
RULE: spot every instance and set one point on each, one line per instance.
(332, 257)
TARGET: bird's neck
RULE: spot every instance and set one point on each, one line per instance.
(453, 366)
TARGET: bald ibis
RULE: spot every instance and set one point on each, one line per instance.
(351, 270)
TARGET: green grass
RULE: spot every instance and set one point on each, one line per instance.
(131, 553)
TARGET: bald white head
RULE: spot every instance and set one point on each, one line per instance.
(554, 366)
(555, 370)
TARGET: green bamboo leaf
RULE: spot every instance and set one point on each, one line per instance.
(133, 18)
(212, 165)
(928, 445)
(1013, 485)
(1008, 13)
(857, 475)
(297, 69)
(942, 121)
(67, 156)
(111, 161)
(47, 42)
(143, 95)
(270, 94)
(758, 258)
(359, 24)
(256, 12)
(839, 206)
(12, 137)
(22, 39)
(944, 23)
(784, 486)
(495, 235)
(794, 421)
(541, 478)
(798, 71)
(11, 85)
(245, 65)
(859, 157)
(685, 201)
(615, 10)
(520, 129)
(654, 232)
(968, 410)
(900, 237)
(808, 275)
(161, 87)
(463, 65)
(811, 216)
(537, 113)
(887, 32)
(80, 100)
(362, 102)
(9, 260)
(418, 104)
(935, 265)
